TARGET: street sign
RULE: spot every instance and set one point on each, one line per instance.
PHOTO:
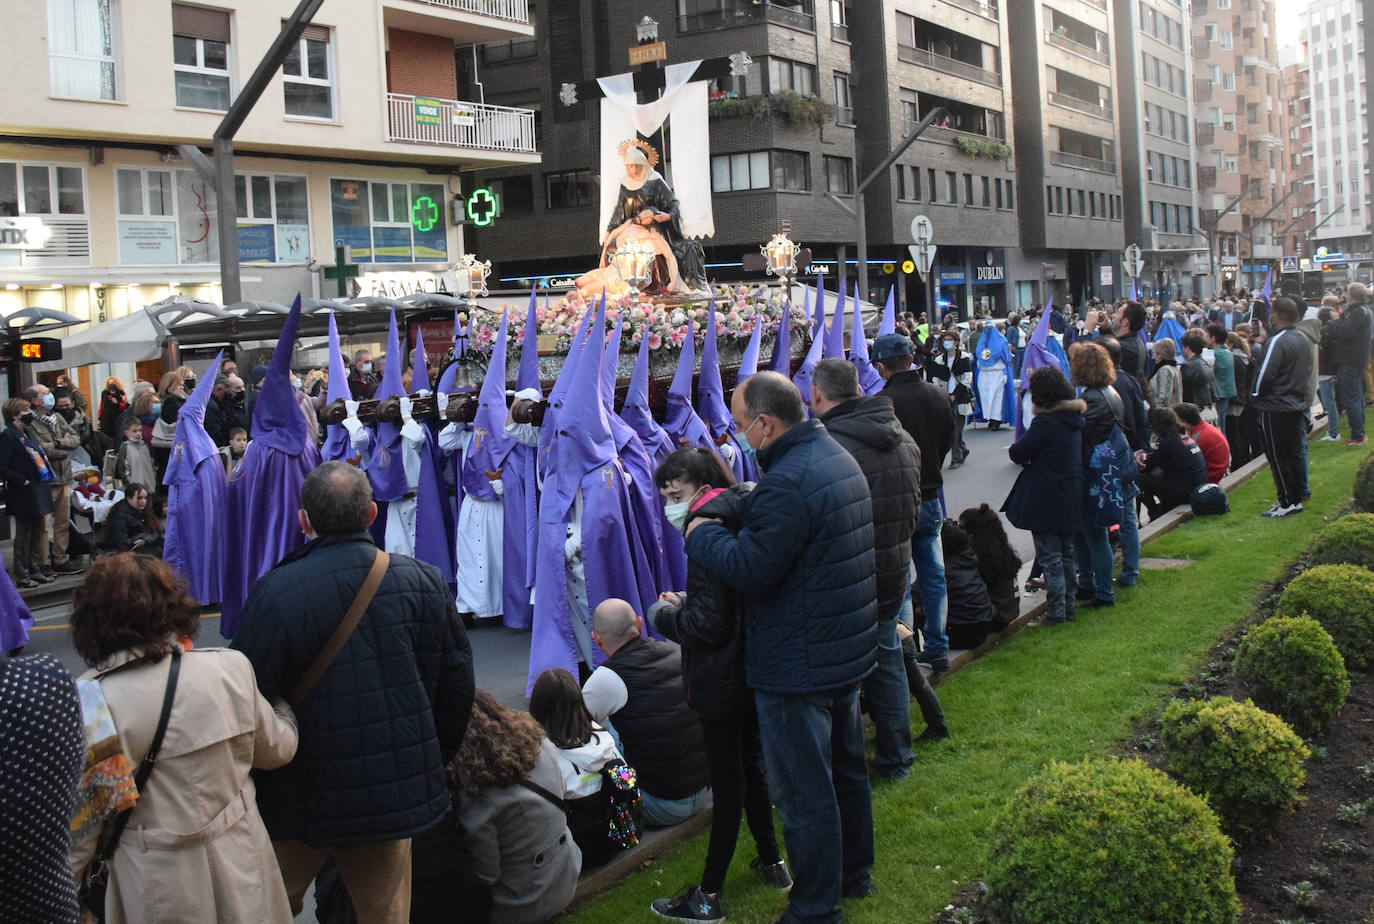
(888, 268)
(1289, 265)
(786, 226)
(924, 255)
(1132, 263)
(1324, 256)
(922, 231)
(647, 54)
(908, 267)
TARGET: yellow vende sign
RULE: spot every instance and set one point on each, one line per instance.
(643, 54)
(427, 110)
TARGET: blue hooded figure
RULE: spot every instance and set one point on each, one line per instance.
(992, 379)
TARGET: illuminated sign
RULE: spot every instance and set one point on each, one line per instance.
(483, 207)
(40, 349)
(424, 213)
(23, 233)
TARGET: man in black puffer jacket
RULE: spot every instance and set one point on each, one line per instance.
(891, 462)
(388, 713)
(804, 558)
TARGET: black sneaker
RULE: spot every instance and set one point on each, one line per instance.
(932, 734)
(939, 663)
(70, 566)
(775, 874)
(26, 583)
(858, 889)
(692, 905)
(43, 577)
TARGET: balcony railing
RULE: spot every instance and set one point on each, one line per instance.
(839, 32)
(948, 65)
(1206, 133)
(1202, 89)
(1100, 4)
(459, 124)
(800, 18)
(985, 8)
(1078, 161)
(1206, 176)
(1101, 110)
(509, 10)
(1077, 48)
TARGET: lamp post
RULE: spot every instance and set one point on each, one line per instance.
(780, 259)
(472, 278)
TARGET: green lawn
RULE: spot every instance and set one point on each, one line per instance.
(1047, 694)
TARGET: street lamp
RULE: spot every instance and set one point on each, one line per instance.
(781, 254)
(634, 261)
(472, 278)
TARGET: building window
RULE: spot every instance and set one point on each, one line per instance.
(737, 172)
(911, 110)
(390, 222)
(28, 189)
(839, 175)
(569, 189)
(274, 217)
(908, 183)
(790, 171)
(1011, 195)
(968, 189)
(81, 48)
(844, 107)
(951, 187)
(144, 193)
(987, 192)
(200, 57)
(791, 76)
(930, 183)
(308, 76)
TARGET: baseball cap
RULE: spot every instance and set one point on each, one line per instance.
(890, 345)
(259, 373)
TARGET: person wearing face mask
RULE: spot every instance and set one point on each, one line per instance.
(953, 369)
(361, 380)
(134, 463)
(708, 622)
(27, 498)
(58, 439)
(92, 449)
(112, 407)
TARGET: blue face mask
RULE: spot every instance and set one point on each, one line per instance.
(157, 409)
(49, 401)
(742, 438)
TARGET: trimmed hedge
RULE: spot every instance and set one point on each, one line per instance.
(1245, 761)
(1348, 541)
(1341, 598)
(1291, 667)
(1363, 488)
(1112, 842)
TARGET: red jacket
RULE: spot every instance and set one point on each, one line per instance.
(1215, 450)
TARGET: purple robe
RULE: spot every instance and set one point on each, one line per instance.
(813, 355)
(521, 500)
(15, 618)
(711, 405)
(337, 447)
(782, 347)
(888, 325)
(635, 411)
(264, 491)
(870, 382)
(834, 337)
(749, 360)
(195, 497)
(681, 422)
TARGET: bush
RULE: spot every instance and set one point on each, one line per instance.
(1291, 667)
(1341, 598)
(1245, 761)
(1113, 842)
(1363, 488)
(1348, 541)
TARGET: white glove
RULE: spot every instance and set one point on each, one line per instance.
(529, 394)
(407, 406)
(357, 433)
(441, 402)
(351, 407)
(498, 488)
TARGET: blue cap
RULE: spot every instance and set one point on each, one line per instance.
(890, 345)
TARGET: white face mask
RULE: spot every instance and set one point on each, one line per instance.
(676, 514)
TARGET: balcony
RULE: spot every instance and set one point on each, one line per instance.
(464, 21)
(1205, 134)
(798, 16)
(1206, 176)
(1077, 48)
(1079, 162)
(1202, 89)
(509, 10)
(985, 8)
(460, 125)
(948, 65)
(1202, 47)
(1101, 110)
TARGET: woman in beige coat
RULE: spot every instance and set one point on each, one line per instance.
(195, 848)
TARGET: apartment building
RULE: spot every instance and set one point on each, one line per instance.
(1068, 147)
(1240, 171)
(783, 137)
(1293, 234)
(1332, 38)
(358, 141)
(1157, 157)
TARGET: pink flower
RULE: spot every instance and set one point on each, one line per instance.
(655, 341)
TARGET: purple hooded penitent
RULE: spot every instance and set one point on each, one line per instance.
(870, 382)
(782, 347)
(386, 470)
(1039, 352)
(681, 420)
(888, 325)
(583, 458)
(264, 492)
(520, 503)
(803, 377)
(635, 410)
(195, 496)
(15, 618)
(834, 337)
(818, 309)
(336, 446)
(711, 406)
(749, 359)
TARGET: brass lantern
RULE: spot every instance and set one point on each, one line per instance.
(781, 256)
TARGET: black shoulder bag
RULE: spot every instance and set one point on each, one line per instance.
(97, 878)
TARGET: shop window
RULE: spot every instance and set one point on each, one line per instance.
(568, 189)
(55, 194)
(200, 57)
(308, 76)
(273, 218)
(390, 222)
(81, 48)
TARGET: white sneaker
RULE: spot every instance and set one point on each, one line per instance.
(1330, 439)
(1278, 511)
(1273, 511)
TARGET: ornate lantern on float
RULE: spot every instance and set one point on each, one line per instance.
(634, 261)
(472, 278)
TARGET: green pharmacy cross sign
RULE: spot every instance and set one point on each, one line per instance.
(424, 213)
(483, 207)
(341, 271)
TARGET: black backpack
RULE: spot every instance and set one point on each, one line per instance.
(605, 822)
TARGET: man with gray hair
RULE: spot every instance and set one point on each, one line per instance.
(891, 462)
(58, 440)
(1349, 347)
(803, 558)
(639, 689)
(383, 716)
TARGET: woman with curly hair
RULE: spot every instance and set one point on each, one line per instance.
(194, 846)
(515, 834)
(1091, 369)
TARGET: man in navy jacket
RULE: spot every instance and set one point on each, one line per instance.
(804, 559)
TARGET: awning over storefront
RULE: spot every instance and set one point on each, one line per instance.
(133, 338)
